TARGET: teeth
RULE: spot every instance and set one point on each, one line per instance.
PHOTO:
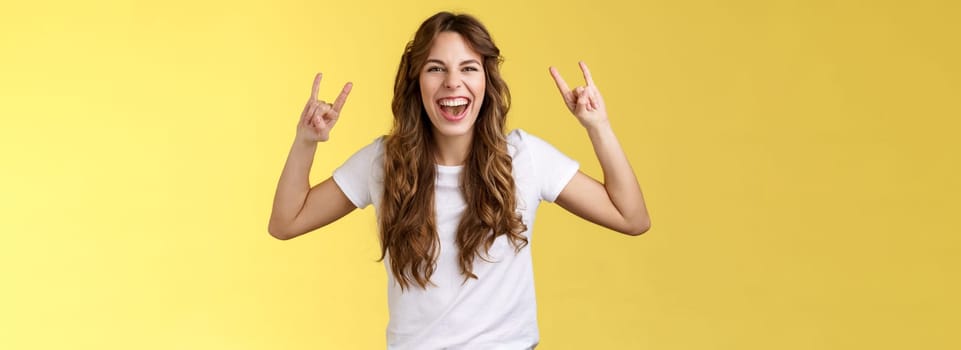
(453, 102)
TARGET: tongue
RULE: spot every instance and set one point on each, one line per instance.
(456, 110)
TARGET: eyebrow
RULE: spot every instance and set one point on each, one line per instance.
(432, 60)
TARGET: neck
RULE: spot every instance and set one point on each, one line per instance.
(452, 150)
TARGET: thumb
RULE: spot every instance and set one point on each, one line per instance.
(334, 117)
(319, 124)
(582, 103)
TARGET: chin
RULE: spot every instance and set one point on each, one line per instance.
(452, 131)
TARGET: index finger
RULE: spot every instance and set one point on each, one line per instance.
(587, 74)
(561, 85)
(339, 103)
(313, 91)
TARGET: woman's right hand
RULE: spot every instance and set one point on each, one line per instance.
(319, 117)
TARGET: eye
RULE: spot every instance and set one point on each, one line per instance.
(435, 69)
(471, 69)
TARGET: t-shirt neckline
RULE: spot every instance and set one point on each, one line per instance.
(449, 168)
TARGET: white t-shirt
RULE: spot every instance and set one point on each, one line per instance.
(495, 311)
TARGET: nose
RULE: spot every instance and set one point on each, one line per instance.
(452, 81)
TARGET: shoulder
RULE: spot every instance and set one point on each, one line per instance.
(518, 141)
(528, 147)
(521, 141)
(364, 158)
(515, 142)
(539, 164)
(517, 136)
(373, 149)
(378, 143)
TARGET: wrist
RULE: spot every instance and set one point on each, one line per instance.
(305, 144)
(598, 128)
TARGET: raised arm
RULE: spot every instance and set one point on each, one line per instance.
(298, 208)
(617, 203)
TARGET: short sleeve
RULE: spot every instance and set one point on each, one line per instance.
(553, 169)
(353, 177)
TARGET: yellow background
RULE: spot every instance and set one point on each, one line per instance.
(799, 159)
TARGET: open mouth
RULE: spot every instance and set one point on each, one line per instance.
(453, 108)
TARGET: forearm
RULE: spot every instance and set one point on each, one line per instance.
(294, 184)
(619, 179)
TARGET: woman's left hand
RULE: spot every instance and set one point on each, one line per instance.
(584, 101)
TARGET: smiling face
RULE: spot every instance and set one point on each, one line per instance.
(452, 84)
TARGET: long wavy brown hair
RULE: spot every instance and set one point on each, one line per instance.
(408, 230)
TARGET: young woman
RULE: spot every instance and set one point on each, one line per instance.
(454, 196)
